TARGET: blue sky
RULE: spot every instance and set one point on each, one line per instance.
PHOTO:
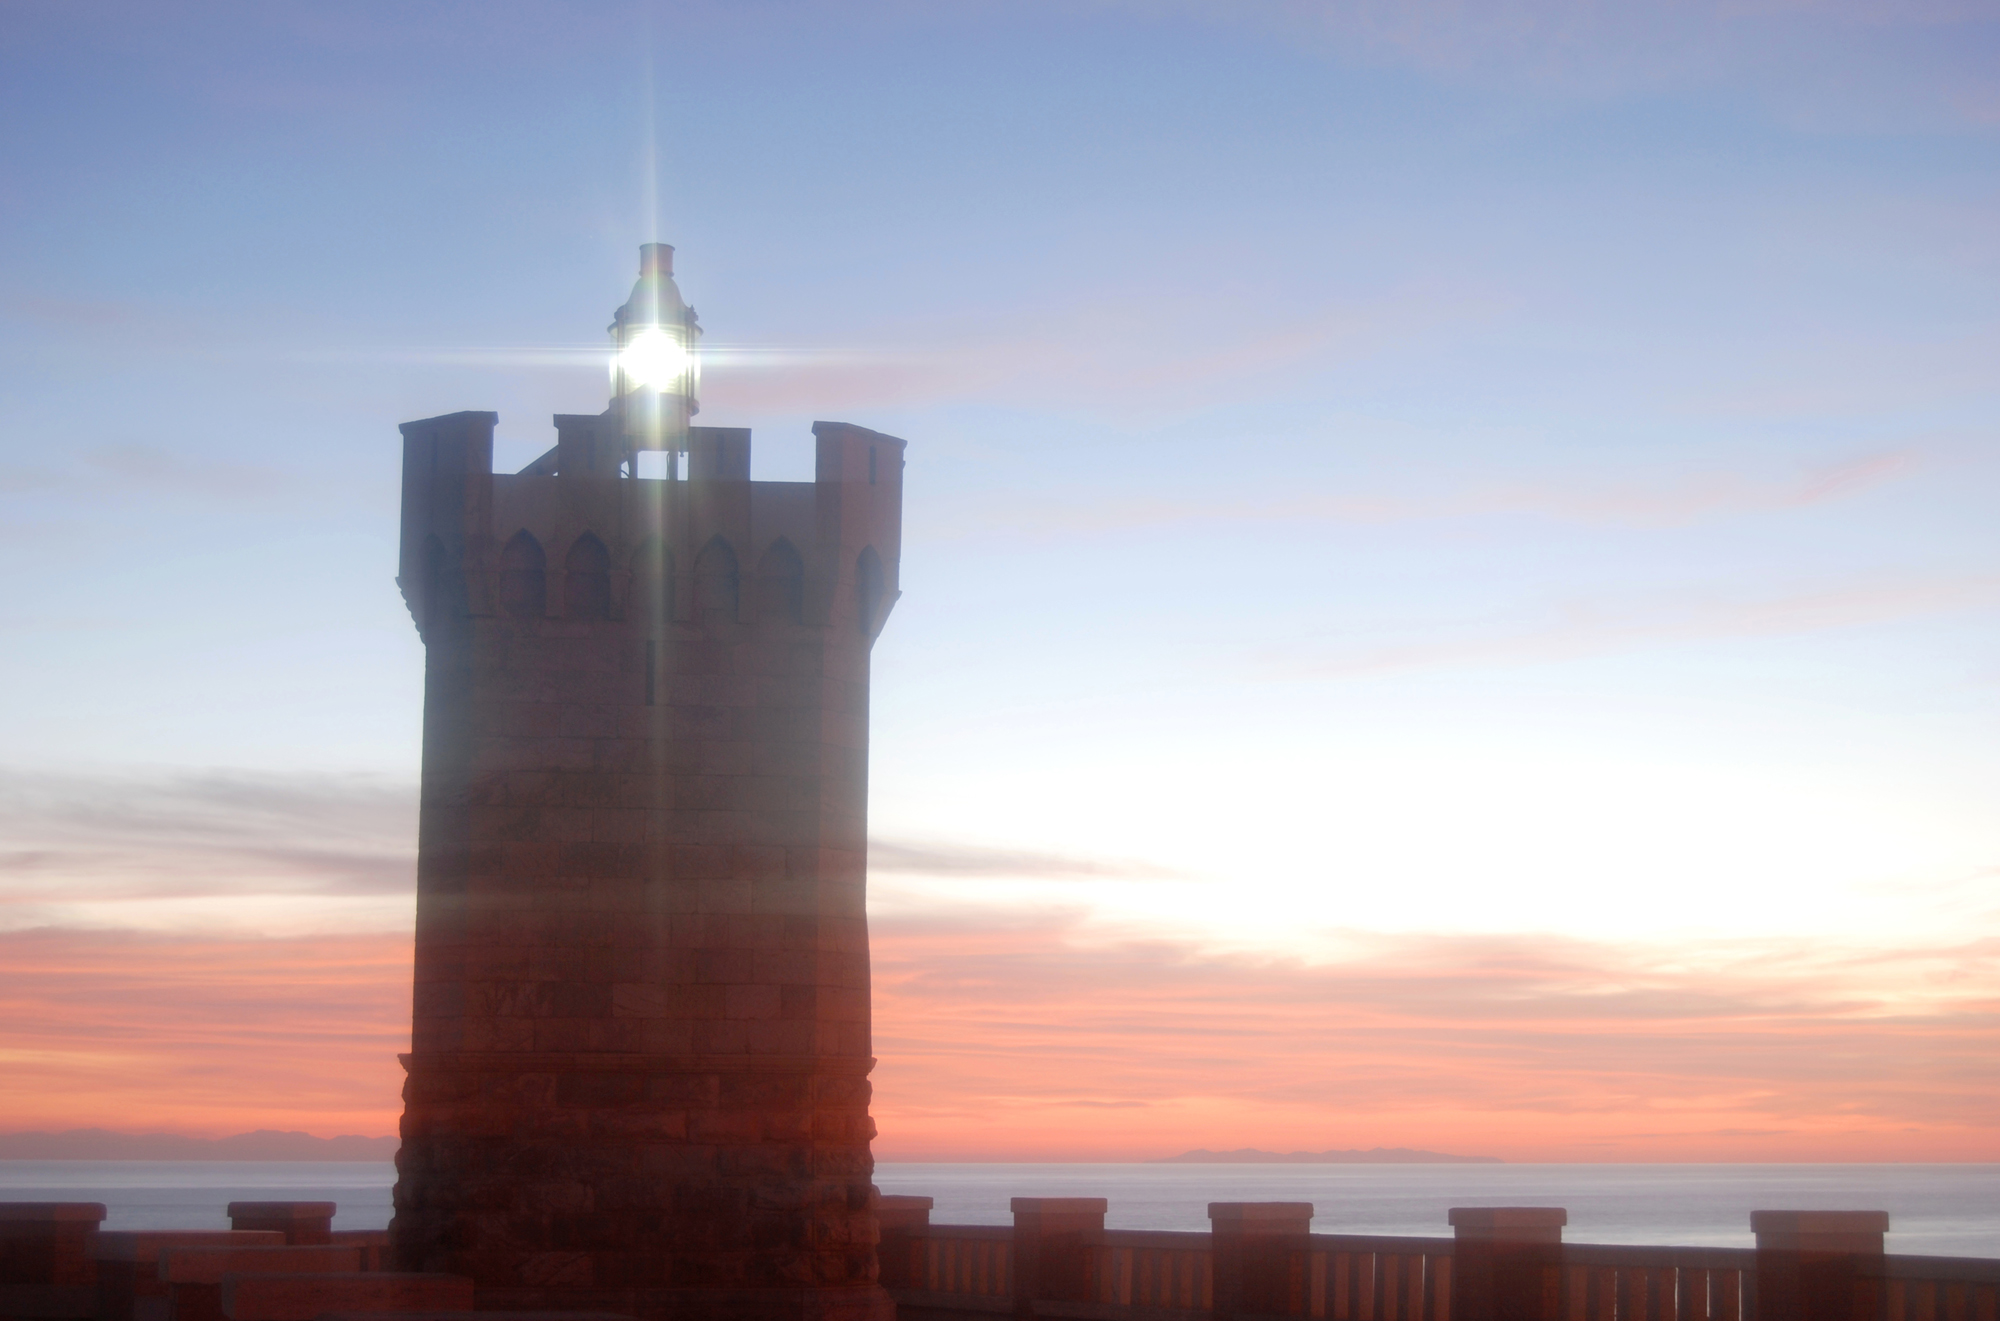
(1426, 468)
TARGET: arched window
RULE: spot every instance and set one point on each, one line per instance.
(868, 589)
(587, 580)
(781, 584)
(716, 581)
(524, 578)
(652, 594)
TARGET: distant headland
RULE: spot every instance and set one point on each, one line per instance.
(1373, 1156)
(264, 1144)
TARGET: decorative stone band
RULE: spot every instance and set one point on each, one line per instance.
(853, 1066)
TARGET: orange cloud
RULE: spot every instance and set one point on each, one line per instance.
(1027, 1042)
(1009, 1039)
(150, 1032)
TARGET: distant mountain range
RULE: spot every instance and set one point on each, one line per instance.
(264, 1144)
(1373, 1156)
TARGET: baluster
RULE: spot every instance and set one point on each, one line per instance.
(1575, 1283)
(1690, 1294)
(1631, 1294)
(1725, 1295)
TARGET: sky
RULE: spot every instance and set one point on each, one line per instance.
(1450, 568)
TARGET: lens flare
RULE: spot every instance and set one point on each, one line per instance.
(653, 359)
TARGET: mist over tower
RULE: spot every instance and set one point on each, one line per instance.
(640, 1048)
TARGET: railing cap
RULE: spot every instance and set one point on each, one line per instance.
(1260, 1210)
(87, 1211)
(145, 1245)
(1059, 1205)
(1820, 1231)
(1819, 1222)
(1506, 1221)
(281, 1210)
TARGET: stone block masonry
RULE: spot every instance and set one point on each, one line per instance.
(638, 1080)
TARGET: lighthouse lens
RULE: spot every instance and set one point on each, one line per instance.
(653, 359)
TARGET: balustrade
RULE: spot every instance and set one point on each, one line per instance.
(1502, 1264)
(1258, 1263)
(1153, 1270)
(1929, 1289)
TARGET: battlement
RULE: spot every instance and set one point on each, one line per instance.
(578, 535)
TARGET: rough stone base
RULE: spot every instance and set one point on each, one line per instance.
(564, 1184)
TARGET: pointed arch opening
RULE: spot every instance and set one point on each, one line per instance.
(652, 594)
(869, 586)
(717, 580)
(781, 583)
(524, 577)
(587, 579)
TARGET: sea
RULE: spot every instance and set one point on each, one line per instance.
(1934, 1210)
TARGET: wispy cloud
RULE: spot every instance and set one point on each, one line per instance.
(1669, 502)
(1581, 628)
(75, 838)
(207, 1035)
(1002, 1032)
(1138, 352)
(127, 469)
(1008, 1036)
(76, 841)
(1796, 55)
(994, 1037)
(947, 859)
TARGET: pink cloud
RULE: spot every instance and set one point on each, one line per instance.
(1025, 1041)
(1814, 61)
(133, 1031)
(1010, 1038)
(1669, 503)
(1588, 629)
(1137, 352)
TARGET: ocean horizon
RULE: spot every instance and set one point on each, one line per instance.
(1934, 1209)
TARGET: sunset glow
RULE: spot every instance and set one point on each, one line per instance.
(1450, 587)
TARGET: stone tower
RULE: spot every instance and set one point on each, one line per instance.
(638, 1077)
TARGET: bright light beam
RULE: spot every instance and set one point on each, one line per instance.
(653, 359)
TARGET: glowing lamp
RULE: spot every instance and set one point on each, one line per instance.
(655, 371)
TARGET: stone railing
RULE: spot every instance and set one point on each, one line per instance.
(1260, 1260)
(278, 1261)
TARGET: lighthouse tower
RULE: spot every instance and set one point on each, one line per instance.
(638, 1076)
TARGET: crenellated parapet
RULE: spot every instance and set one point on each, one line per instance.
(576, 535)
